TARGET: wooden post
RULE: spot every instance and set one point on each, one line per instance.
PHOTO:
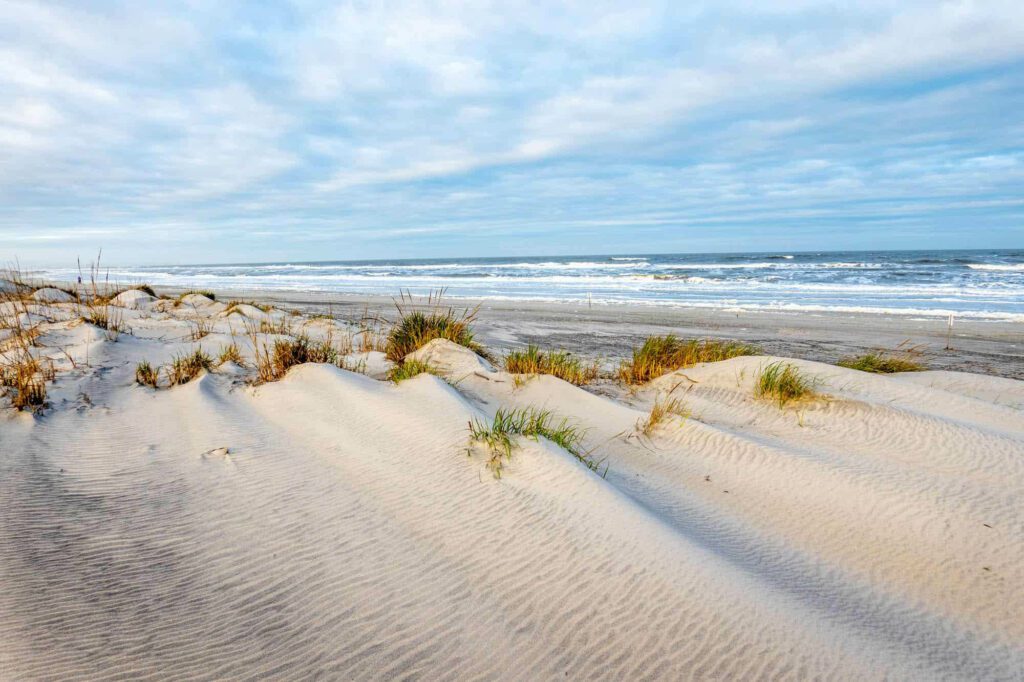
(949, 332)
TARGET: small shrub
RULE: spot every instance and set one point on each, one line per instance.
(783, 383)
(663, 354)
(145, 374)
(231, 353)
(560, 364)
(409, 369)
(662, 409)
(498, 435)
(146, 289)
(416, 328)
(185, 368)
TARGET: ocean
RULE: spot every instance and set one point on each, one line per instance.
(979, 284)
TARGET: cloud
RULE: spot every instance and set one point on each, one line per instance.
(366, 128)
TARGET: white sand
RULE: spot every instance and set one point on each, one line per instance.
(331, 524)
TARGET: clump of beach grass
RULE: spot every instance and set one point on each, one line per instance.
(234, 305)
(26, 376)
(416, 328)
(231, 353)
(146, 375)
(300, 350)
(272, 363)
(560, 364)
(660, 355)
(903, 359)
(409, 369)
(783, 383)
(663, 408)
(185, 368)
(201, 327)
(199, 292)
(499, 434)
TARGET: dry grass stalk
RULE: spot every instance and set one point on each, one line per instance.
(663, 408)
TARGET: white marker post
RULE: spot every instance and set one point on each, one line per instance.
(949, 331)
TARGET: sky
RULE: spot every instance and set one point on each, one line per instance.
(202, 132)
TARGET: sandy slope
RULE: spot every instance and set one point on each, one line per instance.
(346, 533)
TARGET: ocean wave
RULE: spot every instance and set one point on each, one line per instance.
(997, 267)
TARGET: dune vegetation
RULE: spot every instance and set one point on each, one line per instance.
(659, 355)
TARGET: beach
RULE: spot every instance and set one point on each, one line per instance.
(311, 513)
(607, 332)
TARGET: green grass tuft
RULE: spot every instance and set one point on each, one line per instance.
(416, 328)
(783, 383)
(882, 363)
(409, 369)
(663, 354)
(560, 364)
(498, 435)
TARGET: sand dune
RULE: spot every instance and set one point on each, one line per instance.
(332, 524)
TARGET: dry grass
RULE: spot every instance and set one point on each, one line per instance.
(231, 353)
(94, 300)
(409, 369)
(273, 362)
(233, 306)
(282, 327)
(660, 355)
(783, 383)
(560, 364)
(416, 328)
(185, 368)
(146, 375)
(25, 377)
(663, 408)
(905, 358)
(200, 292)
(498, 435)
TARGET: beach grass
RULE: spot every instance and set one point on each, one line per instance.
(184, 368)
(659, 355)
(206, 293)
(231, 353)
(663, 408)
(903, 359)
(499, 434)
(146, 375)
(409, 369)
(416, 328)
(783, 383)
(558, 363)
